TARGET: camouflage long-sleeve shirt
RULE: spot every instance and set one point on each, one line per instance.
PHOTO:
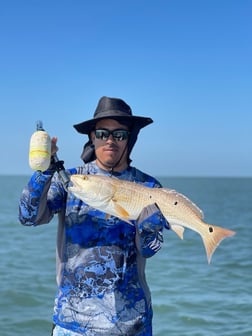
(102, 288)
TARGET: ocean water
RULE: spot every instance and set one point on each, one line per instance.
(189, 296)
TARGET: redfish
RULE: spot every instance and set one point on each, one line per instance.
(126, 200)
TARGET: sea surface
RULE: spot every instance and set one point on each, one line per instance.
(189, 296)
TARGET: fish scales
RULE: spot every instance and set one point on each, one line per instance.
(175, 207)
(133, 197)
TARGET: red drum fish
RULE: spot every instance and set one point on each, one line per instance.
(125, 200)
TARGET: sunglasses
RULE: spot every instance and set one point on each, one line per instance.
(117, 134)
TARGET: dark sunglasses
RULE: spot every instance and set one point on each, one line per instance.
(117, 134)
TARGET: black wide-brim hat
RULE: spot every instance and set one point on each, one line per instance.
(113, 108)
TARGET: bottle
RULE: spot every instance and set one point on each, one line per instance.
(40, 149)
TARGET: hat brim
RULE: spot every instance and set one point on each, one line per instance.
(137, 122)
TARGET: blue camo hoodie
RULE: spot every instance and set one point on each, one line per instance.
(102, 288)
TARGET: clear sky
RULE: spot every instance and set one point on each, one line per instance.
(185, 63)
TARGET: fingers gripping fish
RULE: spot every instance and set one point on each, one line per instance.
(126, 200)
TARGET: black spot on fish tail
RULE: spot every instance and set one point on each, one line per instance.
(210, 229)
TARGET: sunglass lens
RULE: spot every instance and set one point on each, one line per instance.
(120, 135)
(102, 134)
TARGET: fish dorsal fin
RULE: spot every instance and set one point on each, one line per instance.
(198, 212)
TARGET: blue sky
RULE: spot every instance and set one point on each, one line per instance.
(187, 64)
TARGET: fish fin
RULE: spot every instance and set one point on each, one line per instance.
(122, 213)
(215, 235)
(179, 230)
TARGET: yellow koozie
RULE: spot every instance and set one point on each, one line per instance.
(40, 151)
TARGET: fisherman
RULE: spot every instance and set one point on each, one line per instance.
(101, 259)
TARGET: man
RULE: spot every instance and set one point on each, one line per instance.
(102, 288)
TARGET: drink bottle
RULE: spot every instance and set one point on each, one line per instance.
(40, 149)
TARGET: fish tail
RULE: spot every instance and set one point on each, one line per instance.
(213, 238)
